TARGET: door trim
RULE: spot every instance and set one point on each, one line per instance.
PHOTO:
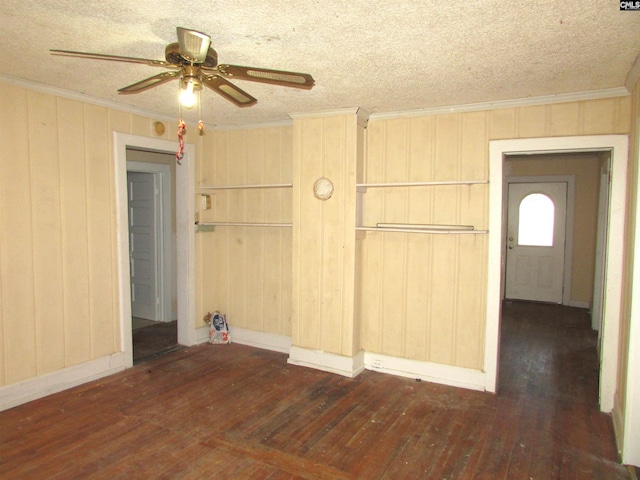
(185, 236)
(570, 180)
(631, 415)
(162, 177)
(618, 145)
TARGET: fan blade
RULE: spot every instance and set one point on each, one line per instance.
(114, 58)
(228, 90)
(276, 77)
(193, 45)
(150, 82)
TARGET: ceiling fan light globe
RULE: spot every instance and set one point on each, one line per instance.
(187, 100)
(188, 96)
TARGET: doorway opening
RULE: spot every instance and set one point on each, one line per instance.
(151, 201)
(616, 147)
(542, 265)
(183, 287)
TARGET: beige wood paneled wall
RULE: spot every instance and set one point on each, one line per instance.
(245, 272)
(324, 244)
(58, 278)
(423, 296)
(415, 296)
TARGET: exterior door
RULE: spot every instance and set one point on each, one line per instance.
(143, 244)
(536, 217)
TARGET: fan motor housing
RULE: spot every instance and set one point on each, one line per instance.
(172, 55)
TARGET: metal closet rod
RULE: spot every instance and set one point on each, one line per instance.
(424, 184)
(424, 226)
(418, 228)
(241, 187)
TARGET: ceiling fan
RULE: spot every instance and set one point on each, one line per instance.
(194, 63)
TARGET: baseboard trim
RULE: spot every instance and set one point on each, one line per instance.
(38, 387)
(50, 383)
(327, 362)
(251, 338)
(267, 341)
(430, 372)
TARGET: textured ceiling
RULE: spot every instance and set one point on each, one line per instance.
(383, 56)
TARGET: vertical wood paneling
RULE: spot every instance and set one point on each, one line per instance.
(393, 314)
(564, 119)
(247, 270)
(323, 234)
(307, 295)
(141, 125)
(67, 143)
(474, 153)
(503, 124)
(254, 162)
(442, 299)
(237, 235)
(58, 265)
(334, 136)
(75, 241)
(18, 294)
(99, 210)
(272, 248)
(471, 300)
(439, 280)
(46, 227)
(598, 116)
(286, 290)
(418, 280)
(532, 121)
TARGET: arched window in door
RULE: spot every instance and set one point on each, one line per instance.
(536, 220)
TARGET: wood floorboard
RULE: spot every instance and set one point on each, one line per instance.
(236, 412)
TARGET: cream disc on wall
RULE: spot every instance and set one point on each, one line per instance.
(323, 188)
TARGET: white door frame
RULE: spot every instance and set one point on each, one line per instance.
(162, 177)
(185, 236)
(570, 180)
(619, 147)
(630, 443)
(601, 257)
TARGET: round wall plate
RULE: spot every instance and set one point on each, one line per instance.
(323, 188)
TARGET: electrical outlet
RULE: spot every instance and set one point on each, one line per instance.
(377, 364)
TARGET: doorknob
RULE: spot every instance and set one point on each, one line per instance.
(510, 247)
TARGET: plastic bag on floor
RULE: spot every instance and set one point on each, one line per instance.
(218, 327)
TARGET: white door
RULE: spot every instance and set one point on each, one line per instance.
(536, 217)
(143, 244)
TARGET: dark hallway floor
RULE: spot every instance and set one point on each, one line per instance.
(548, 351)
(151, 339)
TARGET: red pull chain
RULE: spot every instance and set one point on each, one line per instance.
(182, 128)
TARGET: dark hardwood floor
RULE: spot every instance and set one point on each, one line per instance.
(235, 412)
(152, 339)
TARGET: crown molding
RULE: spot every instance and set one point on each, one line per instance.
(514, 103)
(363, 115)
(326, 113)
